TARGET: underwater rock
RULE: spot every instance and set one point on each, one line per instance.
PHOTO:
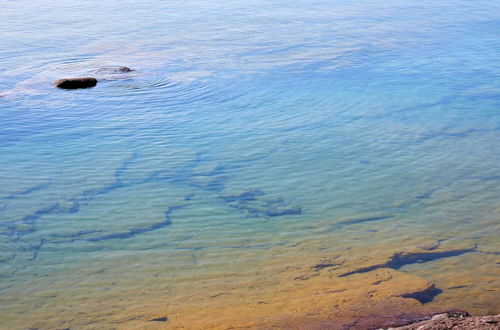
(247, 194)
(405, 257)
(272, 199)
(355, 221)
(29, 190)
(22, 228)
(76, 83)
(68, 206)
(6, 256)
(399, 259)
(424, 296)
(5, 252)
(431, 245)
(283, 210)
(208, 168)
(258, 208)
(207, 182)
(255, 204)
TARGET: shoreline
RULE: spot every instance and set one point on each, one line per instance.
(437, 320)
(454, 320)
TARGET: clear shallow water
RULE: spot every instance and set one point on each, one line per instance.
(249, 135)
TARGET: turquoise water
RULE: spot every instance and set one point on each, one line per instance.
(246, 126)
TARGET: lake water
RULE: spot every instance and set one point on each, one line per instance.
(261, 162)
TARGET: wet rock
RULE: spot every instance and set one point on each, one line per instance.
(76, 83)
(125, 69)
(454, 320)
(159, 319)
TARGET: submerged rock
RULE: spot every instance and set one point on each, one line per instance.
(399, 259)
(424, 296)
(207, 182)
(68, 206)
(247, 194)
(76, 83)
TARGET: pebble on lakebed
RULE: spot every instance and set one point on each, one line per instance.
(75, 83)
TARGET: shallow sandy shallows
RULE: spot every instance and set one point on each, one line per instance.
(276, 288)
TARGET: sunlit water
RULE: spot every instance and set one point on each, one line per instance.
(250, 133)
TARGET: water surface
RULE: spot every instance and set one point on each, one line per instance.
(252, 141)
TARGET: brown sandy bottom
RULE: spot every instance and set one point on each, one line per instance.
(338, 287)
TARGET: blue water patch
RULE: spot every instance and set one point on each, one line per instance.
(244, 125)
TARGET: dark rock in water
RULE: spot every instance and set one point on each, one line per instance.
(403, 258)
(259, 208)
(424, 296)
(321, 266)
(255, 203)
(160, 319)
(75, 83)
(124, 69)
